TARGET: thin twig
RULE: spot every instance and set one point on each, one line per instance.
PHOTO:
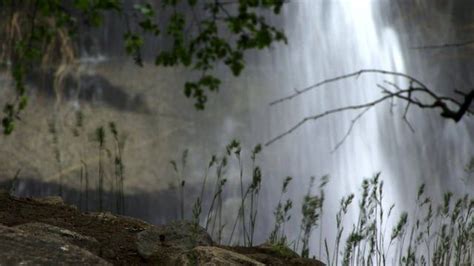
(446, 45)
(407, 107)
(351, 127)
(350, 75)
(329, 112)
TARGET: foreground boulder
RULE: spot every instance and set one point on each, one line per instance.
(171, 240)
(274, 255)
(19, 247)
(52, 200)
(50, 232)
(215, 256)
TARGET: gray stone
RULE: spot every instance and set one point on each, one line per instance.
(213, 256)
(19, 247)
(137, 225)
(179, 237)
(52, 200)
(46, 230)
(104, 216)
(274, 255)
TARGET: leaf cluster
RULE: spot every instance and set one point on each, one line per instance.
(202, 34)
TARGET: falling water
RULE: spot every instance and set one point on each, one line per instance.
(330, 39)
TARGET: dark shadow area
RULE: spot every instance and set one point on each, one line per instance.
(158, 207)
(93, 89)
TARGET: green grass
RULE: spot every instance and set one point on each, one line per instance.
(433, 233)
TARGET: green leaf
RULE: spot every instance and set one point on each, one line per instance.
(8, 125)
(23, 102)
(82, 5)
(146, 9)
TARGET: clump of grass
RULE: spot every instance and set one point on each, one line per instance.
(100, 138)
(85, 177)
(197, 206)
(180, 172)
(282, 215)
(119, 168)
(324, 181)
(254, 191)
(13, 184)
(53, 130)
(454, 239)
(78, 132)
(215, 216)
(117, 200)
(344, 206)
(251, 193)
(469, 170)
(283, 249)
(234, 149)
(398, 232)
(312, 205)
(424, 236)
(449, 232)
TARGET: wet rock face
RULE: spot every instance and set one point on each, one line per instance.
(94, 89)
(18, 247)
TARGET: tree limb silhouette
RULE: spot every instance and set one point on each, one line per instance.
(450, 108)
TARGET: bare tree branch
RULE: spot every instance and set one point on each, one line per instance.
(329, 112)
(407, 107)
(353, 121)
(354, 74)
(409, 95)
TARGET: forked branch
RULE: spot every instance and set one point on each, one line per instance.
(450, 108)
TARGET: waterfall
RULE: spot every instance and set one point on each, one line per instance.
(329, 39)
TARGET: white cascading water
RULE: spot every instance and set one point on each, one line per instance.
(328, 39)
